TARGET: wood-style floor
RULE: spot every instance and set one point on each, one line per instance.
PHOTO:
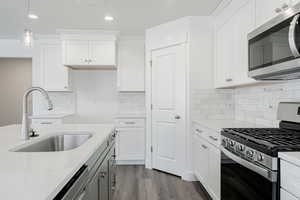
(138, 183)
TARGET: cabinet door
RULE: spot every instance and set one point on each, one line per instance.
(102, 53)
(266, 9)
(76, 52)
(244, 22)
(131, 144)
(104, 180)
(284, 195)
(224, 56)
(93, 188)
(131, 67)
(55, 76)
(200, 159)
(215, 171)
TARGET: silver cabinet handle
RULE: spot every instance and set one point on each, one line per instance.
(292, 41)
(228, 79)
(204, 147)
(213, 138)
(177, 117)
(278, 10)
(199, 131)
(86, 60)
(47, 123)
(102, 174)
(129, 122)
(90, 60)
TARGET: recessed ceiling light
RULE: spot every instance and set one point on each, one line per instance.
(109, 18)
(32, 16)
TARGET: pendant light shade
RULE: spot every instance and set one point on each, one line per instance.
(28, 38)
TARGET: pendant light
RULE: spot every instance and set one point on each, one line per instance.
(28, 38)
(28, 34)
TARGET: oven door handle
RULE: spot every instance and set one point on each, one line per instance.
(292, 40)
(266, 173)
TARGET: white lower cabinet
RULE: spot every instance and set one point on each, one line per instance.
(130, 142)
(201, 155)
(284, 195)
(289, 180)
(207, 163)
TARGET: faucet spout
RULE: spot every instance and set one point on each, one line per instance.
(25, 125)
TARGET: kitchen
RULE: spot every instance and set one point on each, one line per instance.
(150, 100)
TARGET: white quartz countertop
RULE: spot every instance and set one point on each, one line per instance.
(41, 175)
(217, 125)
(292, 157)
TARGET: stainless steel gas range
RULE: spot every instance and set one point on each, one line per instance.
(249, 163)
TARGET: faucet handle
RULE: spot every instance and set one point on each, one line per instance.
(32, 133)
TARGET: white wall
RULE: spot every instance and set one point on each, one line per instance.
(259, 104)
(94, 99)
(11, 48)
(15, 78)
(96, 96)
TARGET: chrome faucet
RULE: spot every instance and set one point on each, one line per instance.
(25, 125)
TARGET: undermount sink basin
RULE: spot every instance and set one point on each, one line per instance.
(61, 142)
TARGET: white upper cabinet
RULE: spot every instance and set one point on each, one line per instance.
(131, 65)
(75, 52)
(48, 67)
(86, 49)
(267, 9)
(89, 53)
(102, 53)
(231, 65)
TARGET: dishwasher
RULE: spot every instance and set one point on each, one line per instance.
(75, 189)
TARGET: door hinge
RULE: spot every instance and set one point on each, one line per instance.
(150, 63)
(151, 106)
(151, 149)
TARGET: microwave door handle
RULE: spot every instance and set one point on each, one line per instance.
(292, 40)
(266, 173)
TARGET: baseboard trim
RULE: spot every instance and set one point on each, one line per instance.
(130, 162)
(189, 176)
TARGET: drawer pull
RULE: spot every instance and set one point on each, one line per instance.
(129, 123)
(203, 146)
(46, 122)
(213, 138)
(199, 131)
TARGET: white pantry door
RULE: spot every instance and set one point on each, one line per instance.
(168, 108)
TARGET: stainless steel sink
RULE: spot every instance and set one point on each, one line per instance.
(61, 142)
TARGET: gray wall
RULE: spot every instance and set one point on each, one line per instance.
(15, 78)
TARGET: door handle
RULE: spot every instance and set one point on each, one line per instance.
(177, 117)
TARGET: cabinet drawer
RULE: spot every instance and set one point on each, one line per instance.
(284, 195)
(130, 123)
(211, 136)
(290, 178)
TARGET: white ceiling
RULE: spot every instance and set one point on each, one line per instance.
(132, 16)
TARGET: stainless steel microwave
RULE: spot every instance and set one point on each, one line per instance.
(274, 48)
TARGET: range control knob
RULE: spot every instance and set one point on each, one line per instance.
(224, 142)
(241, 148)
(232, 143)
(250, 153)
(260, 157)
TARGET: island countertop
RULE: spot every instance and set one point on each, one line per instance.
(41, 175)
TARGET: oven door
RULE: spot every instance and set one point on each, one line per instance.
(242, 180)
(274, 52)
